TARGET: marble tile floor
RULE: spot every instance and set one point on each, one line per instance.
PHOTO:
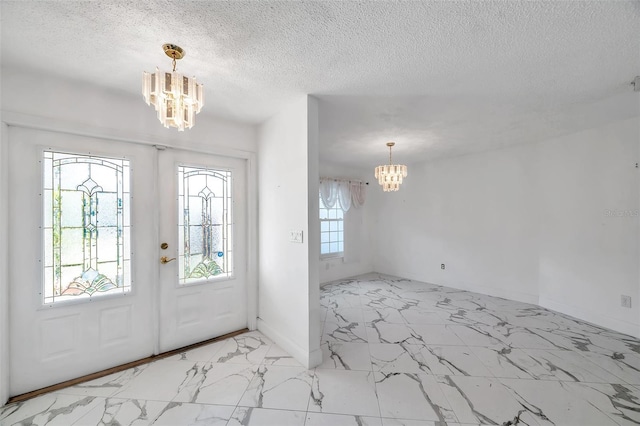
(396, 353)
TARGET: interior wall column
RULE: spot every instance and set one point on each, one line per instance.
(4, 264)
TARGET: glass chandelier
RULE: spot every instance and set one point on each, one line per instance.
(177, 98)
(390, 175)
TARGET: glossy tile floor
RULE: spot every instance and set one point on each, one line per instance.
(396, 352)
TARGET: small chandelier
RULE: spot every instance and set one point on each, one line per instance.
(390, 176)
(177, 98)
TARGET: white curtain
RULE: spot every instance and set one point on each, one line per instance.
(347, 193)
(344, 195)
(329, 192)
(358, 194)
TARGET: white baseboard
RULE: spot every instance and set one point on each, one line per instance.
(315, 358)
(518, 296)
(344, 274)
(593, 317)
(580, 313)
(304, 357)
(583, 314)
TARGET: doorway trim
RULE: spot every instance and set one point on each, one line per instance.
(10, 118)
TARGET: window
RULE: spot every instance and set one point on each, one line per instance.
(86, 226)
(205, 224)
(331, 230)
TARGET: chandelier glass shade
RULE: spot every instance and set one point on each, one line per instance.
(390, 175)
(176, 98)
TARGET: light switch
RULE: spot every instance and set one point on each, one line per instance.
(295, 236)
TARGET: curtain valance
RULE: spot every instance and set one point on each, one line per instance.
(345, 192)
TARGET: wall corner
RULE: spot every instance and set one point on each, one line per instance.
(4, 263)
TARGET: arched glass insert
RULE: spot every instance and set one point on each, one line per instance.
(86, 226)
(205, 224)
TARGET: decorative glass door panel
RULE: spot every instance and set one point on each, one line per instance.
(205, 224)
(86, 226)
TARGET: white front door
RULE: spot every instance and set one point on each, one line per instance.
(203, 222)
(87, 288)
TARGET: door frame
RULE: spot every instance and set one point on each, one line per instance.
(10, 118)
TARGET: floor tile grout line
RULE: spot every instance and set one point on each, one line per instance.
(89, 412)
(373, 375)
(313, 378)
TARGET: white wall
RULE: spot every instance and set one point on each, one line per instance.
(4, 255)
(357, 244)
(61, 103)
(473, 214)
(588, 257)
(526, 222)
(313, 221)
(288, 280)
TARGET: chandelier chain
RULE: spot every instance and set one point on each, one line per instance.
(174, 62)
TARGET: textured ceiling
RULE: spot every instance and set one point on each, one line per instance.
(440, 78)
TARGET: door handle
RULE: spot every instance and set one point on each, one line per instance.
(165, 259)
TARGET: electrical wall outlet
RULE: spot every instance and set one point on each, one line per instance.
(442, 266)
(295, 236)
(625, 301)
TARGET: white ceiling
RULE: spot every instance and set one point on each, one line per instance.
(440, 78)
